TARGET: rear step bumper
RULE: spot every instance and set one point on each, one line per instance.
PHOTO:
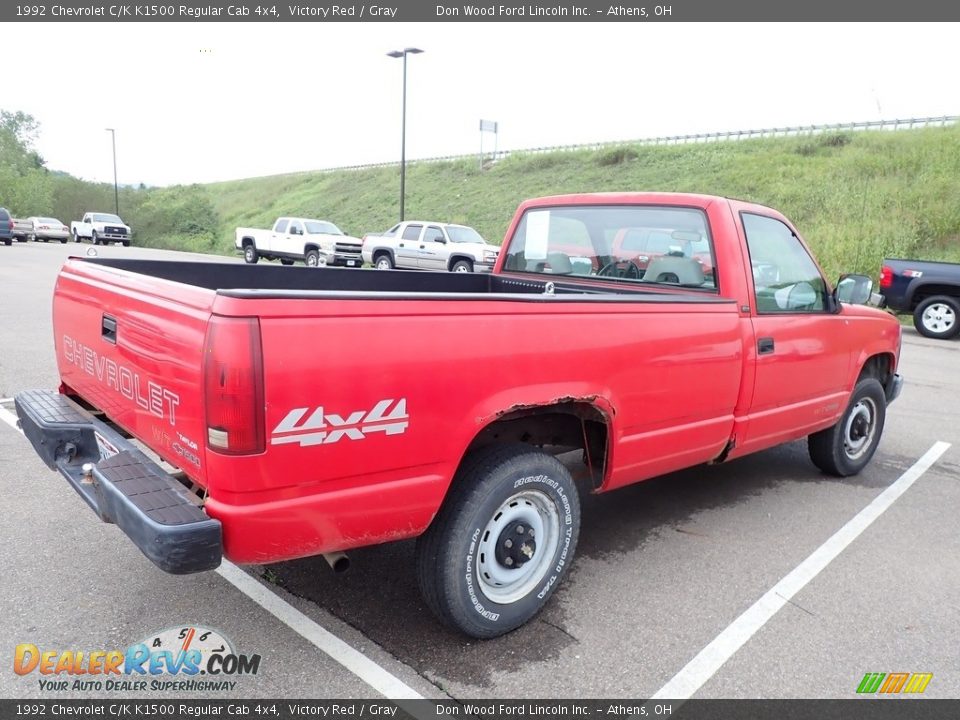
(125, 488)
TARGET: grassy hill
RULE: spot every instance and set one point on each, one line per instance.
(855, 197)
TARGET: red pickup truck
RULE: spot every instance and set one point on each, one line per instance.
(298, 413)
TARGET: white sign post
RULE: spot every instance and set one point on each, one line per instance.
(487, 126)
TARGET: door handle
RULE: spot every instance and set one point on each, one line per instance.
(401, 244)
(108, 329)
(765, 346)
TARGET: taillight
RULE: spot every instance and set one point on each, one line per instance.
(233, 386)
(886, 276)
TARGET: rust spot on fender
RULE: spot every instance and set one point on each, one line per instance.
(563, 400)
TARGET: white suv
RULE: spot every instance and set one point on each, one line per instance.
(419, 245)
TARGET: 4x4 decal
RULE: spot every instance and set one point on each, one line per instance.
(323, 428)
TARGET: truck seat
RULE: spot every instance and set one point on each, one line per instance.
(672, 269)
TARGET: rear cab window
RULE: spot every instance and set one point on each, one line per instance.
(281, 226)
(412, 232)
(652, 245)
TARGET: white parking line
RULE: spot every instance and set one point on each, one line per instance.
(6, 416)
(699, 670)
(351, 658)
(325, 641)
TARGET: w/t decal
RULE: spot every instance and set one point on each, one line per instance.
(322, 428)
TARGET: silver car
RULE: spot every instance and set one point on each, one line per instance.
(45, 228)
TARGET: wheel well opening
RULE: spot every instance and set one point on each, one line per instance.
(927, 291)
(247, 241)
(878, 367)
(454, 259)
(558, 429)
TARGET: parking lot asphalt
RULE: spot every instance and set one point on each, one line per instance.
(662, 569)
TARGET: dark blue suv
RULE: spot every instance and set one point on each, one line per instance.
(6, 227)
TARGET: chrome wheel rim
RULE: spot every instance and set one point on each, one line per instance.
(530, 511)
(939, 318)
(461, 269)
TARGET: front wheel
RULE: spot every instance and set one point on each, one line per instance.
(502, 541)
(938, 317)
(76, 237)
(94, 238)
(312, 258)
(845, 448)
(462, 266)
(383, 262)
(250, 253)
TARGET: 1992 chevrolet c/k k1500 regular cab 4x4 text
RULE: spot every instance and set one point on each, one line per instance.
(313, 412)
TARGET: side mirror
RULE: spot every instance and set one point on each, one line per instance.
(853, 289)
(799, 296)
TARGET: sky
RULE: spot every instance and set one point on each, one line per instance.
(217, 101)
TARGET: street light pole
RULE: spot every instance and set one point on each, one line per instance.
(116, 192)
(403, 123)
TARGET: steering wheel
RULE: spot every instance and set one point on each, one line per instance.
(626, 269)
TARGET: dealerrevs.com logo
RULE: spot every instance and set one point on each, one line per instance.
(188, 659)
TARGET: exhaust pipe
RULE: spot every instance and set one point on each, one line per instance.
(338, 561)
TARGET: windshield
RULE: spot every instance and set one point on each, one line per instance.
(321, 227)
(463, 234)
(101, 217)
(624, 243)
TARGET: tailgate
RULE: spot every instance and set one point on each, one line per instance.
(131, 346)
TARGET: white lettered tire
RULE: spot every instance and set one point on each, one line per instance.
(502, 541)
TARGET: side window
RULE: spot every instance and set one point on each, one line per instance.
(280, 227)
(295, 228)
(785, 278)
(433, 234)
(412, 232)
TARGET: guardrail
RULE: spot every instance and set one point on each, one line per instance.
(898, 124)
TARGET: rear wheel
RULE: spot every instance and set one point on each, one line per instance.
(250, 253)
(938, 317)
(502, 541)
(383, 262)
(286, 261)
(462, 266)
(845, 448)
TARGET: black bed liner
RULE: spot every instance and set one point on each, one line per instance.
(264, 281)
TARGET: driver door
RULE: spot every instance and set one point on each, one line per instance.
(801, 354)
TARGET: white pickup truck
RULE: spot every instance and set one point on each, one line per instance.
(100, 228)
(316, 242)
(418, 245)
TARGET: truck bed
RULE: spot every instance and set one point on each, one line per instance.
(362, 372)
(248, 281)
